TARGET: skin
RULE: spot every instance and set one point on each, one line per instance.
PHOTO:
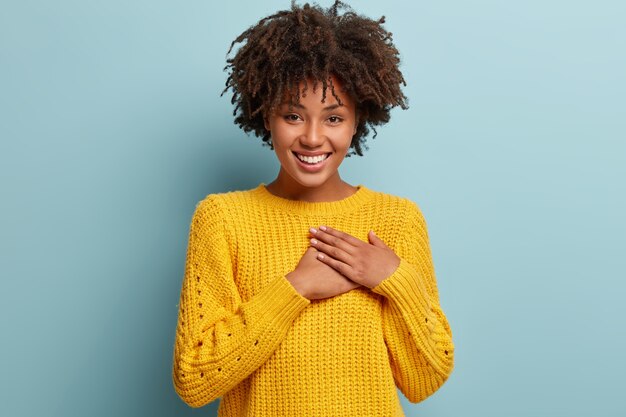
(315, 127)
(335, 262)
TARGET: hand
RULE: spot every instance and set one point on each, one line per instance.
(315, 280)
(365, 263)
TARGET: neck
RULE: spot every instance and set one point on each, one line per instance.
(332, 189)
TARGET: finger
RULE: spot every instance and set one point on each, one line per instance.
(333, 251)
(375, 240)
(338, 238)
(342, 268)
(354, 241)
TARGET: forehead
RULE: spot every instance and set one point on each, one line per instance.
(312, 91)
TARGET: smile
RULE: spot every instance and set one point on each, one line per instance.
(311, 160)
(311, 163)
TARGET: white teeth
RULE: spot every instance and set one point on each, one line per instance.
(312, 159)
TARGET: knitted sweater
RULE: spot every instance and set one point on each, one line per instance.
(246, 335)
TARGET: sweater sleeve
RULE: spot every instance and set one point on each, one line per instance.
(221, 340)
(415, 329)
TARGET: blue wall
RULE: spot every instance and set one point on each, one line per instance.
(112, 128)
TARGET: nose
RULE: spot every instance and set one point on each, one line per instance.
(313, 136)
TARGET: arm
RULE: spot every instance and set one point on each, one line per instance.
(221, 340)
(415, 329)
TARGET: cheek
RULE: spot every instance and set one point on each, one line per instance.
(345, 138)
(283, 158)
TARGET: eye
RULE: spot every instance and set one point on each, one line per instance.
(292, 117)
(334, 119)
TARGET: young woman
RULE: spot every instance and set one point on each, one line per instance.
(309, 296)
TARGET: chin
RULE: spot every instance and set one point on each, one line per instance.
(310, 181)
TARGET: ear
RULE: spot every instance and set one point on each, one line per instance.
(266, 122)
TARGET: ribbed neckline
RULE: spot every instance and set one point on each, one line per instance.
(362, 195)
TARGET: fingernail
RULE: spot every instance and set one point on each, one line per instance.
(312, 230)
(323, 228)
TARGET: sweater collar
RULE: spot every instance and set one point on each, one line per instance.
(361, 196)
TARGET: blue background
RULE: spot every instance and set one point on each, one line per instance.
(514, 146)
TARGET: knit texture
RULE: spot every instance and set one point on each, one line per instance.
(246, 335)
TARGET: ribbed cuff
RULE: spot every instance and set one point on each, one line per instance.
(279, 302)
(406, 288)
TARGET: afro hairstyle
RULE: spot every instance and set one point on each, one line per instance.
(310, 42)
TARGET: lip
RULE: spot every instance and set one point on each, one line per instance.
(312, 168)
(306, 153)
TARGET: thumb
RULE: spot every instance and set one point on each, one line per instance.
(375, 240)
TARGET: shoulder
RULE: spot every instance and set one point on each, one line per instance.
(225, 204)
(209, 206)
(398, 204)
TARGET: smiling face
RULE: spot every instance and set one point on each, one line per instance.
(312, 139)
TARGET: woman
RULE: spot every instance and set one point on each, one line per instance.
(309, 296)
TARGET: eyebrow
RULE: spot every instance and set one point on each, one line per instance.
(300, 106)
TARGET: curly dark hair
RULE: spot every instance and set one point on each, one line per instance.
(309, 42)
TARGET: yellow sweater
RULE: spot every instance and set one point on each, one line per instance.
(246, 335)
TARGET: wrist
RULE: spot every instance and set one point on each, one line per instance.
(297, 283)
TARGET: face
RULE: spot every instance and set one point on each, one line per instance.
(312, 139)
